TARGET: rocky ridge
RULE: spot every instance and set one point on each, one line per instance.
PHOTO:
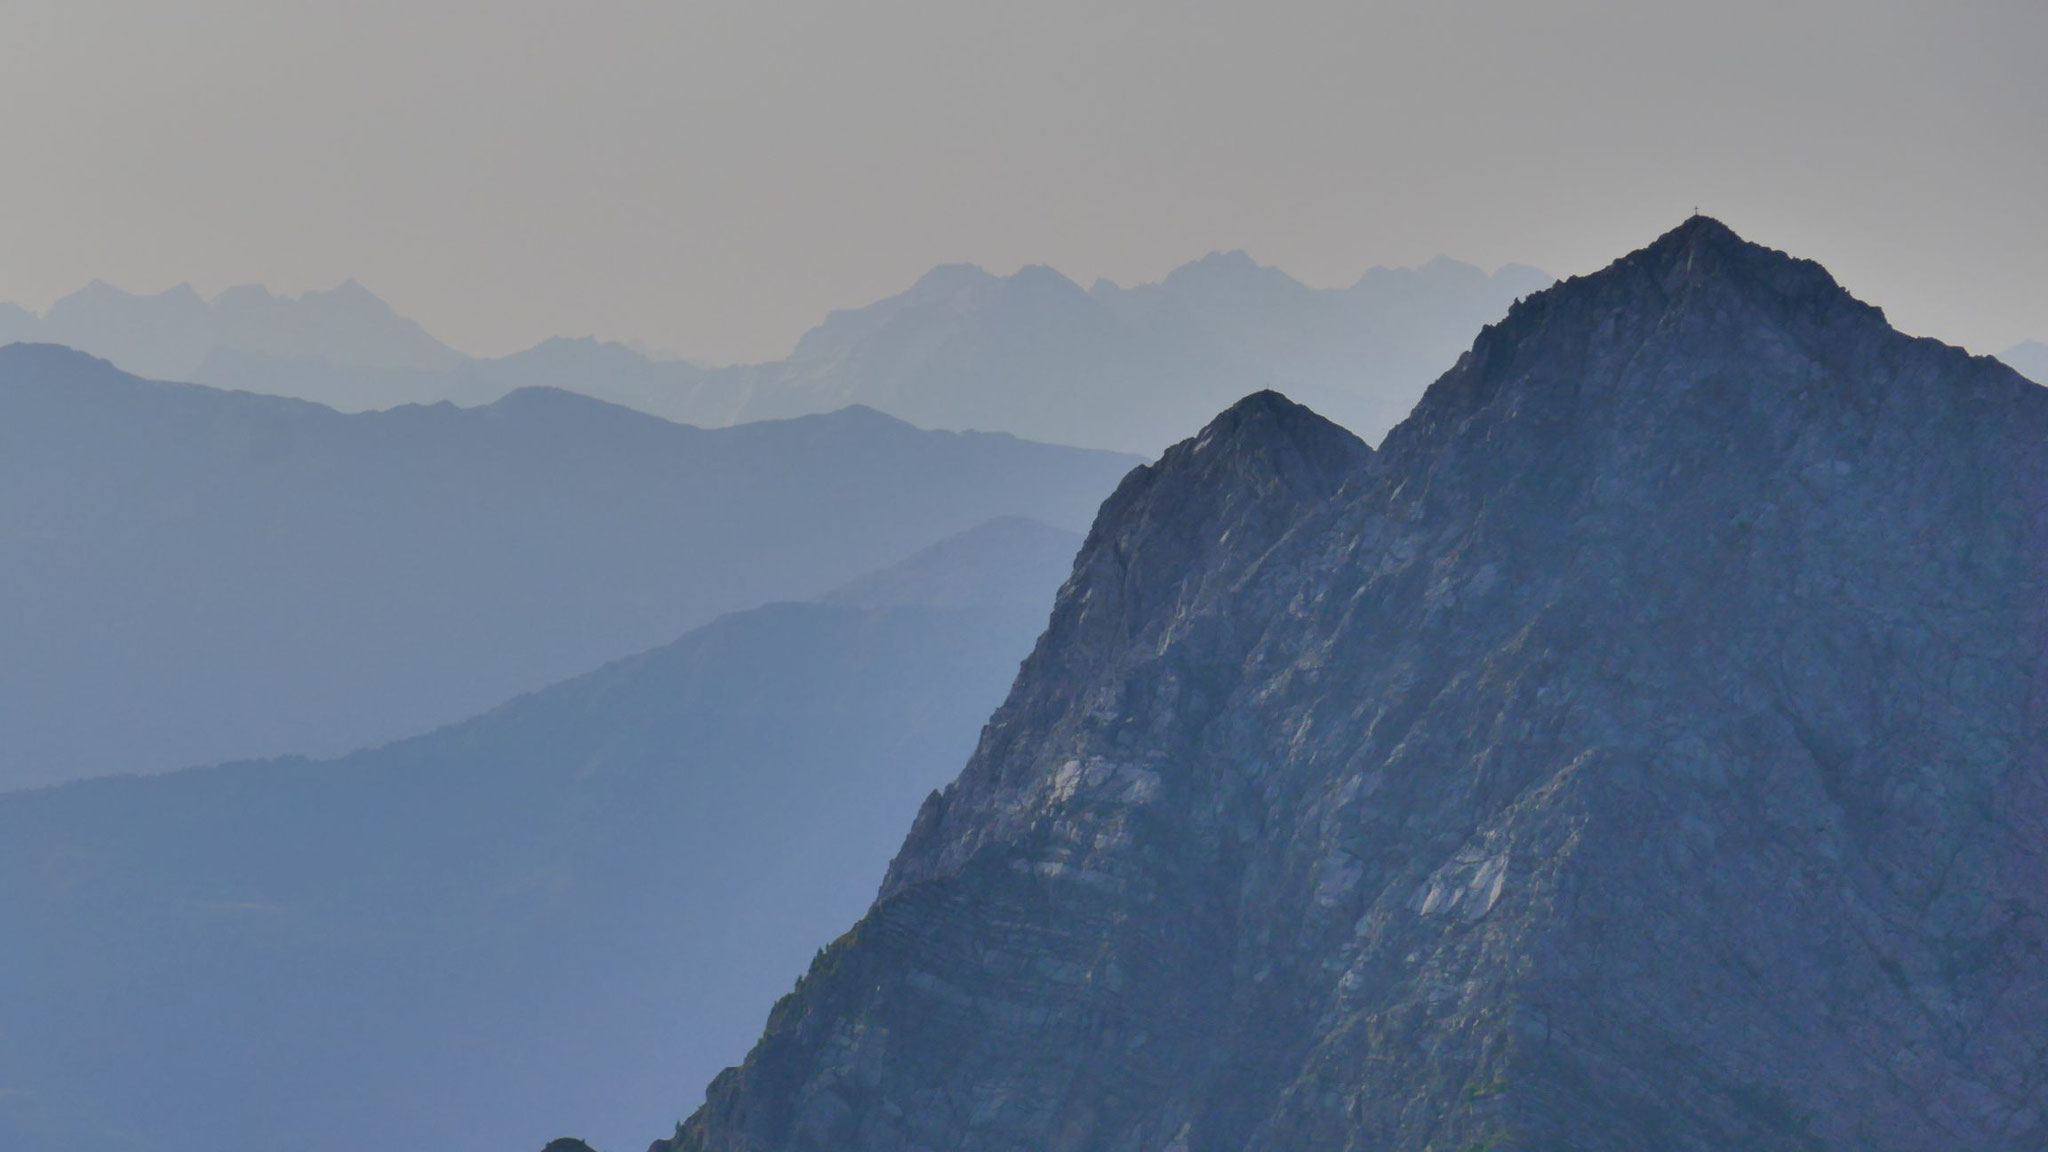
(1643, 748)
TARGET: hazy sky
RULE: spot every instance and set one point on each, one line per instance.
(715, 176)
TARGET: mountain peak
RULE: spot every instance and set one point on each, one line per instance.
(1696, 308)
(1267, 415)
(1236, 262)
(1257, 447)
(1233, 273)
(1623, 760)
(1704, 251)
(1699, 229)
(1704, 247)
(1159, 564)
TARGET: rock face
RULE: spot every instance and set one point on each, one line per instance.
(1643, 749)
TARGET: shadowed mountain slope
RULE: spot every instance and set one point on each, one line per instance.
(445, 943)
(1642, 749)
(195, 575)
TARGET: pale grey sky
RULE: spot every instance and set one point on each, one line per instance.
(714, 176)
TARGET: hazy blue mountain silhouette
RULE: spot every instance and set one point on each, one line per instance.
(2029, 359)
(196, 575)
(1131, 369)
(541, 920)
(1140, 367)
(18, 324)
(172, 335)
(607, 370)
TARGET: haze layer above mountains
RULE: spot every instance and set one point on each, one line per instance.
(1643, 749)
(1033, 354)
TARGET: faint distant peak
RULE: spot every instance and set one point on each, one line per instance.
(100, 292)
(1439, 270)
(947, 285)
(1039, 290)
(350, 288)
(661, 354)
(245, 294)
(1234, 272)
(1445, 265)
(580, 350)
(971, 282)
(1043, 276)
(947, 291)
(952, 278)
(2029, 359)
(1236, 262)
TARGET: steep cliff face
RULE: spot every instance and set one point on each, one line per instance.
(1644, 748)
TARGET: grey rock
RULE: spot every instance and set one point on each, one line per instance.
(1642, 749)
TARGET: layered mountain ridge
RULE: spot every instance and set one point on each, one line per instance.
(203, 575)
(1641, 749)
(1031, 353)
(443, 942)
(177, 334)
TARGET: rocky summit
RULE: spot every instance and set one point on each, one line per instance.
(1643, 749)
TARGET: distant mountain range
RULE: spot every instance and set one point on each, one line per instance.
(549, 918)
(176, 335)
(1034, 354)
(194, 575)
(2029, 359)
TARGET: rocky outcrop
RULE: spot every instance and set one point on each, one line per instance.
(1643, 748)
